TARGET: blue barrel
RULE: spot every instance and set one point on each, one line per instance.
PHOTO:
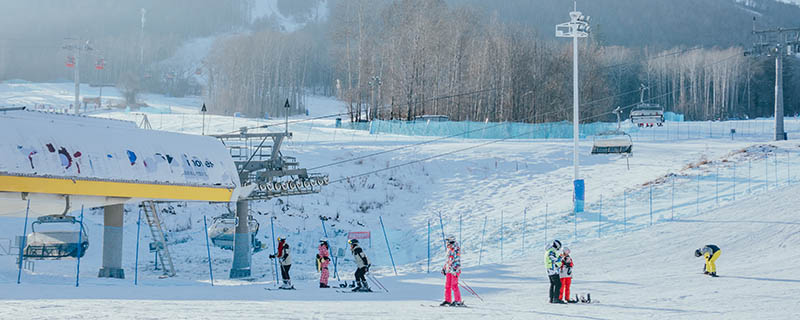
(580, 191)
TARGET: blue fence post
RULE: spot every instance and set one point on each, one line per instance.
(483, 237)
(766, 172)
(651, 204)
(80, 247)
(624, 210)
(776, 170)
(697, 201)
(716, 187)
(524, 227)
(330, 250)
(429, 245)
(208, 252)
(441, 224)
(672, 204)
(545, 223)
(274, 251)
(388, 247)
(788, 168)
(136, 260)
(599, 218)
(502, 225)
(749, 169)
(24, 239)
(734, 181)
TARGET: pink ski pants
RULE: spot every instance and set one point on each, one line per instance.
(452, 285)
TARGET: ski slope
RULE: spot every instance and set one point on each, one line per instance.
(635, 270)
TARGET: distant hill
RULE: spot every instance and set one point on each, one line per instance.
(658, 23)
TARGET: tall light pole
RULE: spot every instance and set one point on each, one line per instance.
(777, 42)
(577, 27)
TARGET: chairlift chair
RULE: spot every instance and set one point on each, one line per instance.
(222, 228)
(56, 244)
(613, 141)
(647, 114)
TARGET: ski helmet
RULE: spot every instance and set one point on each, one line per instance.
(352, 241)
(450, 239)
(697, 253)
(281, 239)
(323, 239)
(566, 251)
(556, 244)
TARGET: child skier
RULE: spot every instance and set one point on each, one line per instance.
(362, 266)
(711, 253)
(285, 261)
(566, 274)
(452, 270)
(323, 259)
(552, 262)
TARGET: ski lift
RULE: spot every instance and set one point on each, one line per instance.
(222, 228)
(70, 62)
(100, 64)
(613, 141)
(59, 243)
(647, 114)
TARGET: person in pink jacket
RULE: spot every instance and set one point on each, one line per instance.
(323, 260)
(452, 270)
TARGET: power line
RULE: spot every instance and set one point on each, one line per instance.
(506, 138)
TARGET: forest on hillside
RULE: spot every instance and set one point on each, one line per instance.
(405, 58)
(398, 59)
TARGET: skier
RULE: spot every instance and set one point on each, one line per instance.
(552, 262)
(323, 259)
(452, 270)
(285, 260)
(362, 264)
(566, 274)
(711, 253)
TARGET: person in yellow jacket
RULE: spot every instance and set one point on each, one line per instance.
(711, 254)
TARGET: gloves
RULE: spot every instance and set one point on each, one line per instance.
(272, 256)
(443, 272)
(367, 267)
(317, 256)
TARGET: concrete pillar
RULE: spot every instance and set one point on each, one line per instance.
(112, 243)
(241, 243)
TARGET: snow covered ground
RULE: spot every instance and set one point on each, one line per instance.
(635, 270)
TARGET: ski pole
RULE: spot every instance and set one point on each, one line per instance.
(374, 279)
(470, 290)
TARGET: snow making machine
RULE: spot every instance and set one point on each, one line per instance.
(222, 227)
(63, 237)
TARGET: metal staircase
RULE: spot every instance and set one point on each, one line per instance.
(159, 243)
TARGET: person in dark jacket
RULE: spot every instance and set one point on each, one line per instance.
(362, 266)
(285, 260)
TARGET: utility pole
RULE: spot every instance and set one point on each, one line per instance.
(75, 47)
(776, 42)
(577, 27)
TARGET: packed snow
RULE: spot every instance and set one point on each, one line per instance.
(735, 192)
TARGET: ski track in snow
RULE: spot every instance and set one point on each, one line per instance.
(648, 272)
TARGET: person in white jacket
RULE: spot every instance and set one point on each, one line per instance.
(285, 259)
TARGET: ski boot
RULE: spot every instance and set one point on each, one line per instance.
(322, 285)
(287, 285)
(457, 304)
(445, 304)
(365, 287)
(358, 286)
(714, 274)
